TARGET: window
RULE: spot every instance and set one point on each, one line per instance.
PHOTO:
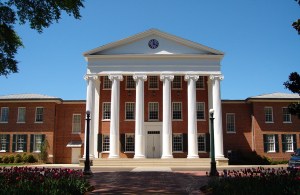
(76, 123)
(289, 142)
(200, 83)
(106, 83)
(4, 143)
(153, 111)
(21, 115)
(39, 114)
(19, 143)
(130, 84)
(177, 143)
(153, 82)
(129, 110)
(201, 142)
(36, 142)
(200, 111)
(268, 114)
(105, 143)
(106, 111)
(4, 115)
(176, 84)
(286, 115)
(177, 111)
(270, 143)
(230, 122)
(129, 142)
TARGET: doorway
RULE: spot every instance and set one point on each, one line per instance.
(153, 144)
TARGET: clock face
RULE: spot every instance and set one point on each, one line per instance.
(153, 43)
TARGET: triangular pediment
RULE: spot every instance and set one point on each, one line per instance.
(139, 44)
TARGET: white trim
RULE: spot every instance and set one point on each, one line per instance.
(267, 107)
(203, 111)
(36, 108)
(125, 151)
(125, 118)
(149, 111)
(105, 119)
(178, 151)
(172, 110)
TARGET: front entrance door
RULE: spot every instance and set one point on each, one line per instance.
(153, 144)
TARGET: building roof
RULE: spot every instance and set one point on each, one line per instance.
(275, 96)
(28, 96)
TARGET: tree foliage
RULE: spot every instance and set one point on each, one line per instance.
(293, 84)
(296, 24)
(39, 14)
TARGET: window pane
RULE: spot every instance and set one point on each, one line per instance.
(177, 111)
(286, 115)
(39, 114)
(201, 143)
(3, 142)
(200, 110)
(21, 143)
(4, 114)
(21, 114)
(153, 111)
(37, 143)
(129, 143)
(105, 142)
(153, 82)
(200, 83)
(177, 142)
(130, 111)
(106, 83)
(230, 122)
(270, 143)
(268, 114)
(106, 110)
(288, 142)
(76, 123)
(176, 83)
(130, 84)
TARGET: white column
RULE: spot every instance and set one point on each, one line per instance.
(114, 148)
(95, 118)
(167, 117)
(192, 116)
(217, 106)
(139, 146)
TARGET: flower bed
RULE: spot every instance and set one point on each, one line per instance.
(256, 181)
(27, 180)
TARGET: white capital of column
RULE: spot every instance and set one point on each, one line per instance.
(192, 116)
(114, 148)
(139, 116)
(217, 106)
(167, 117)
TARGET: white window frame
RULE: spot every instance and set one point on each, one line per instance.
(18, 142)
(289, 142)
(104, 110)
(107, 83)
(269, 142)
(230, 125)
(199, 110)
(151, 80)
(129, 107)
(175, 135)
(126, 143)
(154, 104)
(37, 143)
(105, 143)
(175, 82)
(39, 117)
(200, 81)
(21, 115)
(4, 115)
(286, 115)
(173, 110)
(268, 115)
(130, 82)
(202, 135)
(76, 124)
(3, 142)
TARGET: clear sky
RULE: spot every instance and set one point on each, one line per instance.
(261, 47)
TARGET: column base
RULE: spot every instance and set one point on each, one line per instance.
(193, 156)
(167, 156)
(139, 156)
(114, 156)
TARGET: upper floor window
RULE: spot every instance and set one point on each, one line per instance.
(201, 142)
(129, 110)
(76, 123)
(177, 142)
(19, 143)
(177, 110)
(153, 111)
(39, 114)
(106, 110)
(130, 84)
(153, 82)
(230, 122)
(287, 117)
(4, 142)
(200, 83)
(288, 142)
(176, 83)
(106, 83)
(129, 142)
(4, 115)
(200, 110)
(21, 115)
(268, 114)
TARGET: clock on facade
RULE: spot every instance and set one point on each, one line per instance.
(153, 43)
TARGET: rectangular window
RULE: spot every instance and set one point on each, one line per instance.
(269, 141)
(129, 110)
(177, 111)
(105, 143)
(201, 142)
(4, 115)
(19, 143)
(153, 111)
(21, 115)
(106, 83)
(230, 122)
(289, 142)
(76, 124)
(129, 142)
(130, 84)
(106, 111)
(39, 114)
(177, 142)
(200, 83)
(176, 83)
(4, 143)
(268, 114)
(153, 82)
(200, 111)
(37, 142)
(287, 117)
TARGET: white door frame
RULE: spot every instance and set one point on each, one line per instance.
(153, 126)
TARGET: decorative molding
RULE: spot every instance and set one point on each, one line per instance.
(213, 77)
(191, 77)
(115, 77)
(169, 77)
(142, 77)
(91, 77)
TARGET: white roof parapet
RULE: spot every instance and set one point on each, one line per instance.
(28, 96)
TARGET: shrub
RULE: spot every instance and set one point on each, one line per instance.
(31, 158)
(43, 155)
(18, 159)
(11, 158)
(1, 157)
(5, 159)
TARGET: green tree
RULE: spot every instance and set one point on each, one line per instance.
(296, 24)
(39, 14)
(293, 84)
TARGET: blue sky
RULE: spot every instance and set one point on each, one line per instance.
(261, 48)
